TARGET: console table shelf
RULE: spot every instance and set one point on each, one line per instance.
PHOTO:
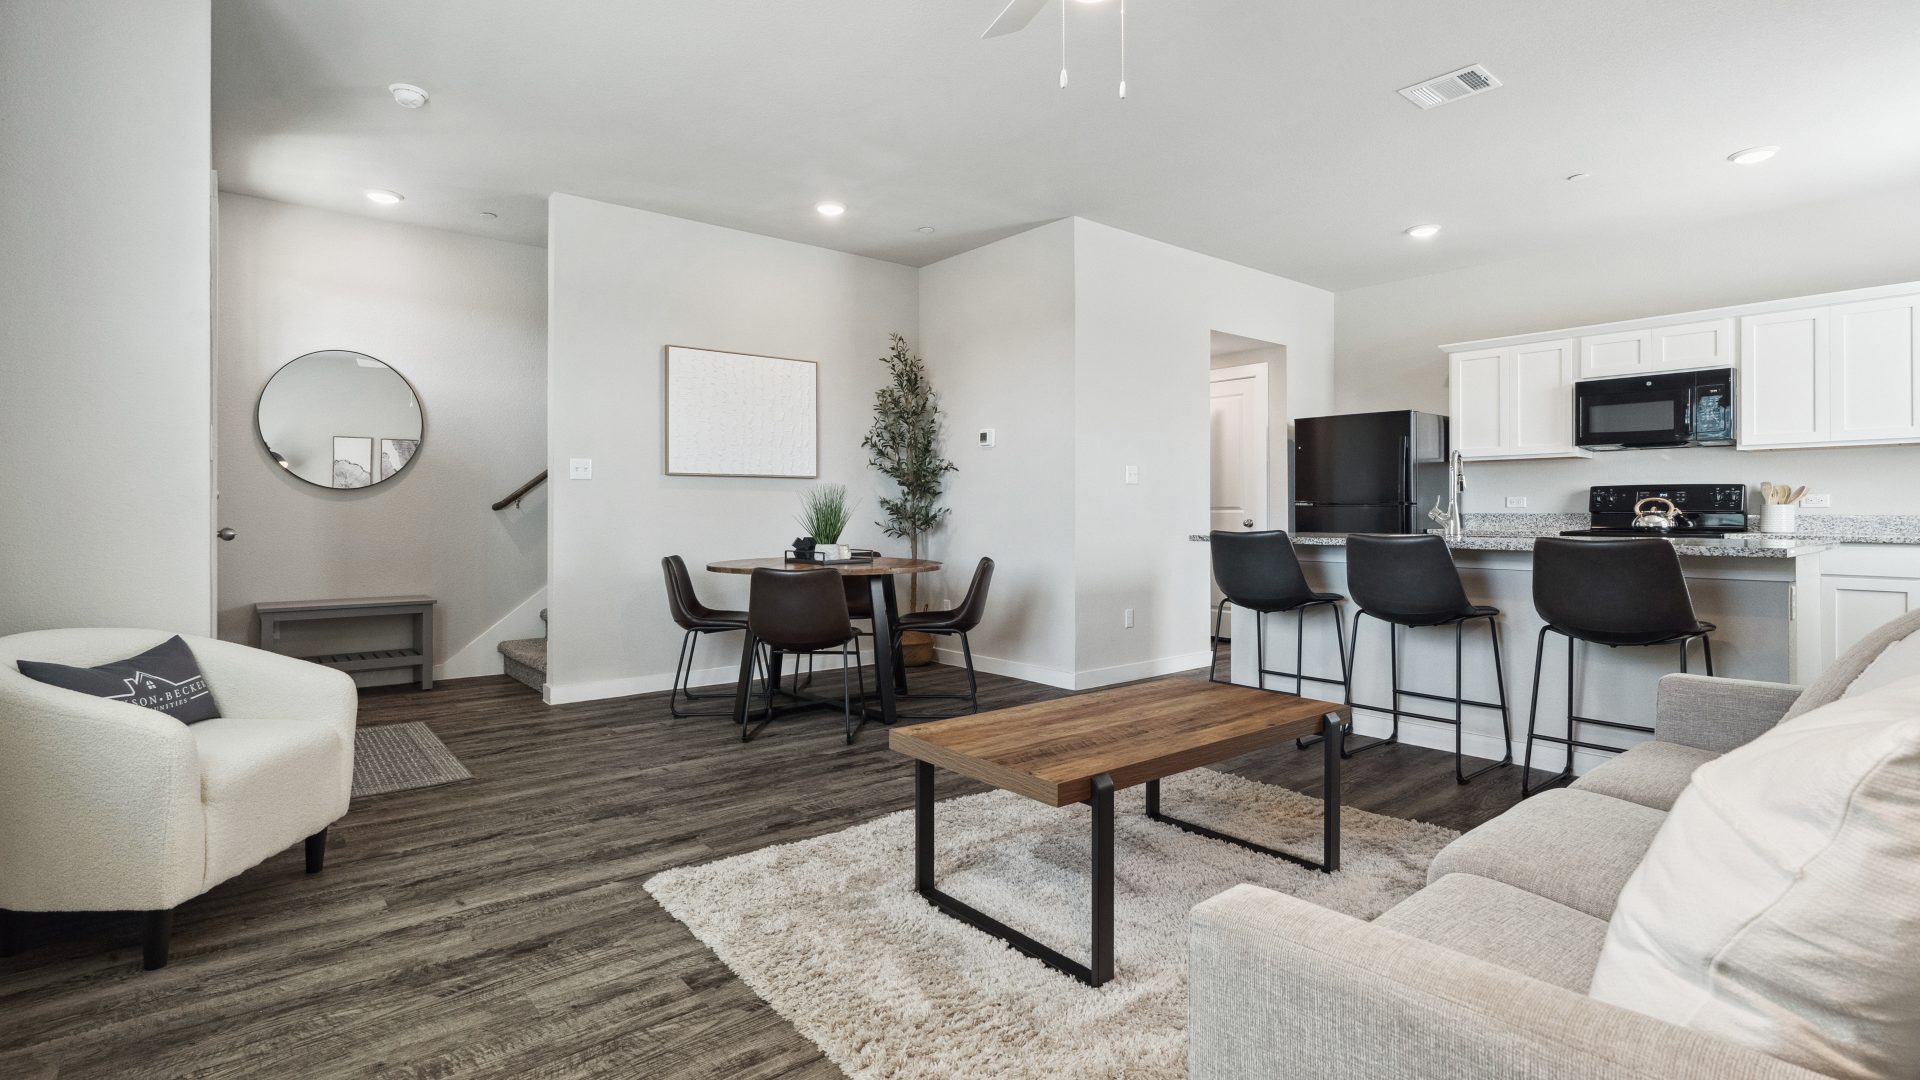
(272, 616)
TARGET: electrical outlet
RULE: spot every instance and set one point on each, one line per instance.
(1516, 502)
(1129, 618)
(580, 468)
(1133, 474)
(1817, 501)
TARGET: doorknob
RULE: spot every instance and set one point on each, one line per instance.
(1247, 524)
(226, 534)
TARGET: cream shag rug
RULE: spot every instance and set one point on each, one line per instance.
(830, 932)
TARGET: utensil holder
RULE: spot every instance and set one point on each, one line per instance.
(1777, 518)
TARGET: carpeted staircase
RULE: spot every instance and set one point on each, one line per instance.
(526, 658)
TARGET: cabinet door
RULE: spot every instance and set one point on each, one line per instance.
(1872, 358)
(1856, 606)
(1692, 346)
(1478, 393)
(1539, 419)
(1604, 356)
(1783, 378)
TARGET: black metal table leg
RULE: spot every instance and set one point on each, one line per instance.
(885, 656)
(1330, 809)
(1097, 973)
(892, 607)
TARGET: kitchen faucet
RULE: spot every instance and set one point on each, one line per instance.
(1451, 525)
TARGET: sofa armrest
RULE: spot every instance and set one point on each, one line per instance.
(1281, 987)
(99, 803)
(1718, 714)
(255, 684)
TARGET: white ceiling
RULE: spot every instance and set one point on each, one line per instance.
(1267, 132)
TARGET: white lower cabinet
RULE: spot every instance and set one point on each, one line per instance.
(1515, 402)
(1862, 586)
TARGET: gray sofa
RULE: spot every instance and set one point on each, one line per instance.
(1484, 973)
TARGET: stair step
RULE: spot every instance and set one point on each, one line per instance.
(525, 659)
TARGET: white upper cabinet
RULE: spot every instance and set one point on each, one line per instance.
(1837, 369)
(1515, 402)
(1783, 378)
(1665, 348)
(1831, 376)
(1872, 361)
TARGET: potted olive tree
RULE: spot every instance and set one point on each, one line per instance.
(904, 445)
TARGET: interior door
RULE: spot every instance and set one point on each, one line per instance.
(1237, 429)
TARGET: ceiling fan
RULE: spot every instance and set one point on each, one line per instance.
(1018, 13)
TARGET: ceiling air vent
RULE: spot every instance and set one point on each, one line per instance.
(1452, 86)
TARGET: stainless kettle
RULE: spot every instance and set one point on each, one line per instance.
(1655, 520)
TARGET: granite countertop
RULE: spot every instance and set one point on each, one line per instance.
(1744, 547)
(1815, 527)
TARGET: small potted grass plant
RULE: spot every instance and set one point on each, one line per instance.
(824, 513)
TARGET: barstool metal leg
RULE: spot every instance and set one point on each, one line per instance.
(1213, 668)
(1533, 715)
(1393, 654)
(1706, 647)
(1460, 776)
(1299, 649)
(1260, 649)
(1340, 642)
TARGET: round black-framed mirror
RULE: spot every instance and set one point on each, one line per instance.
(340, 419)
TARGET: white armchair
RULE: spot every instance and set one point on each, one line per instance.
(109, 806)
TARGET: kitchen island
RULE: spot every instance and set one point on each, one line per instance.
(1760, 591)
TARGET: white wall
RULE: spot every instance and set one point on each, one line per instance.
(464, 319)
(1144, 315)
(1081, 378)
(105, 223)
(624, 284)
(1389, 336)
(996, 328)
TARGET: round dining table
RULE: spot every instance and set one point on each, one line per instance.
(879, 573)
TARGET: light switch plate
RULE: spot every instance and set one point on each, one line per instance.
(1515, 502)
(1817, 501)
(580, 468)
(1133, 474)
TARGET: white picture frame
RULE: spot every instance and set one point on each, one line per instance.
(741, 414)
(352, 461)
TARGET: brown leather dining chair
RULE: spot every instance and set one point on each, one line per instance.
(803, 612)
(696, 618)
(956, 622)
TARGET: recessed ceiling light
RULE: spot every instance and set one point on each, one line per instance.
(407, 95)
(384, 197)
(1422, 232)
(1753, 155)
(830, 209)
(1579, 176)
(926, 228)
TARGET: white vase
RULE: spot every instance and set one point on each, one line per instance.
(1776, 518)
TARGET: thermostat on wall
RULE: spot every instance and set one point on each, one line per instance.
(986, 436)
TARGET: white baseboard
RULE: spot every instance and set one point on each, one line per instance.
(1094, 678)
(629, 686)
(1012, 669)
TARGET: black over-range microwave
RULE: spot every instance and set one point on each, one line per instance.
(1679, 408)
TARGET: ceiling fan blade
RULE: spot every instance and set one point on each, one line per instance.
(1016, 16)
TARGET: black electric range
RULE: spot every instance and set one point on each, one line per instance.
(1706, 510)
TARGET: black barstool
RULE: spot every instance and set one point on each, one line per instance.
(1258, 571)
(1411, 581)
(804, 612)
(696, 619)
(957, 622)
(1612, 592)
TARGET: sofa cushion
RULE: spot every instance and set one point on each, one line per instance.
(1651, 774)
(265, 784)
(1503, 925)
(1572, 847)
(1780, 905)
(1889, 654)
(165, 678)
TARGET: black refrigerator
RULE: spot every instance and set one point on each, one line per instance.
(1368, 472)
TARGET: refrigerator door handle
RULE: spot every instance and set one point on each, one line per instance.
(1406, 464)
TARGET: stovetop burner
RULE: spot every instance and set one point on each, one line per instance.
(1706, 510)
(1713, 534)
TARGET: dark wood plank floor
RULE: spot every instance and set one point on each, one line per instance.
(498, 928)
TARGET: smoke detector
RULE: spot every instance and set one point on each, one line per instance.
(1452, 86)
(407, 95)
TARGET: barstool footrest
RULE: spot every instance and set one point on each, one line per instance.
(1424, 716)
(1309, 678)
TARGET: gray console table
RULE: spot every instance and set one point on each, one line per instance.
(420, 608)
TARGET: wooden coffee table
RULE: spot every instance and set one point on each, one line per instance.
(1086, 747)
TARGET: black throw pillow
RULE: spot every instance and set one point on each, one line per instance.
(165, 678)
